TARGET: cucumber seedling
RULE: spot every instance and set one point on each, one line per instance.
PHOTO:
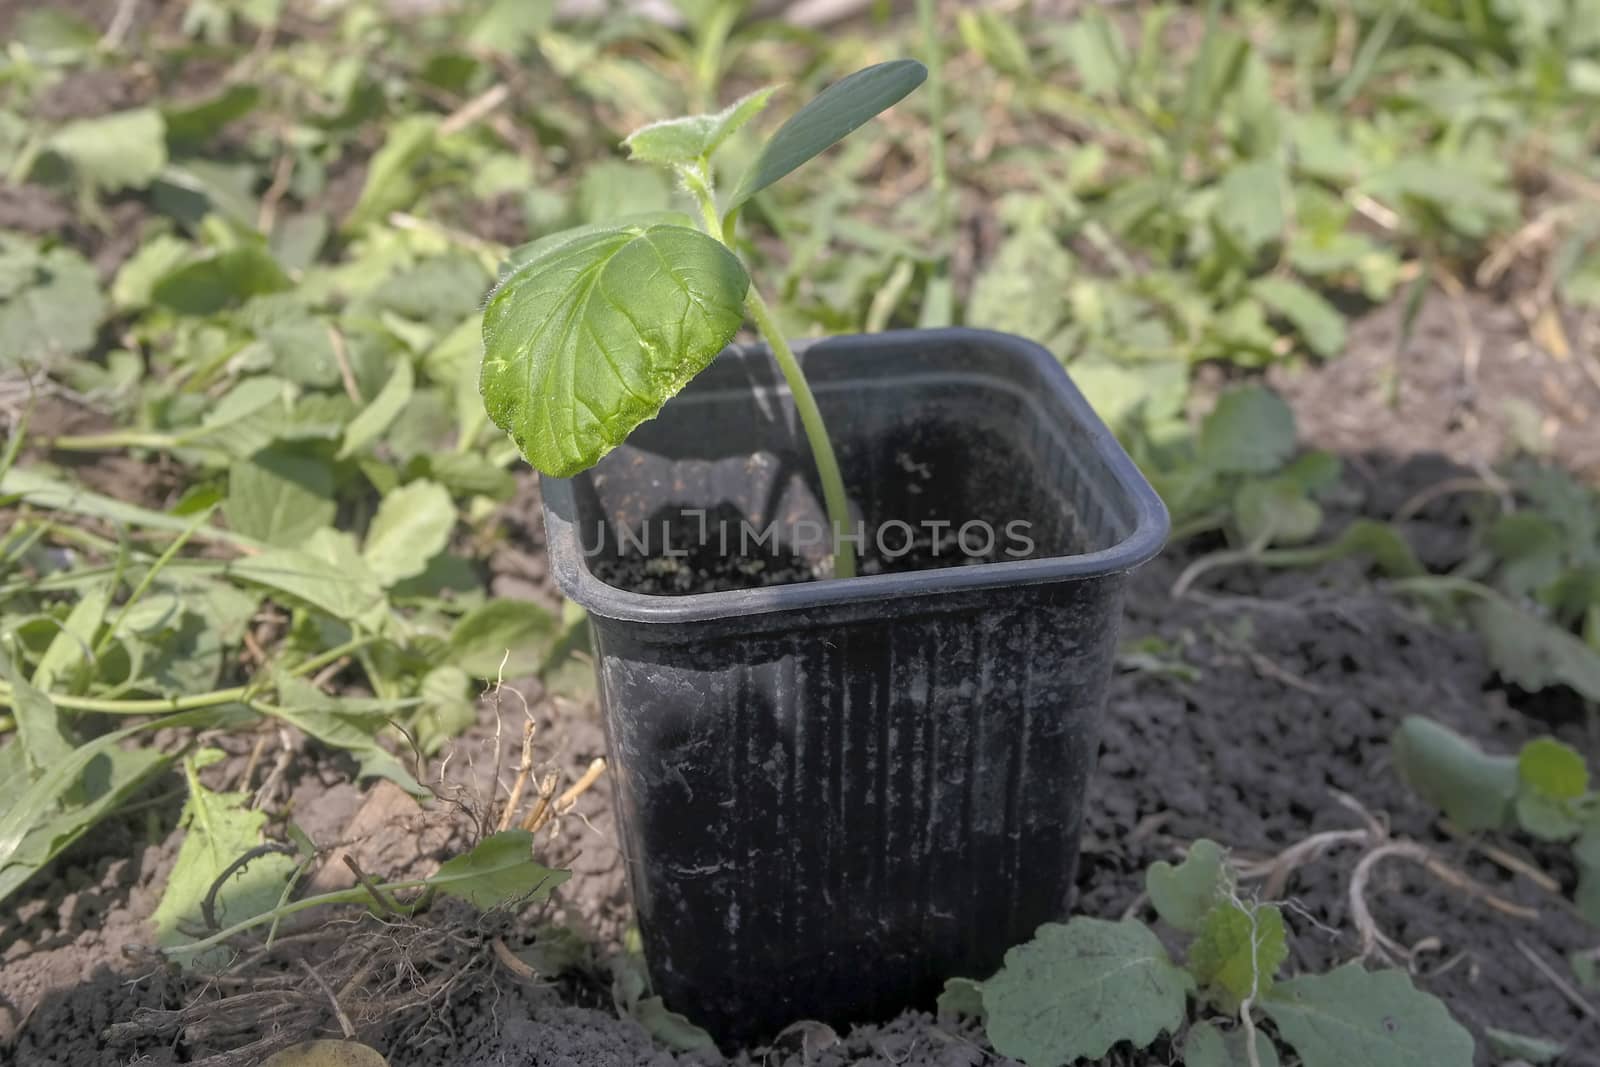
(593, 329)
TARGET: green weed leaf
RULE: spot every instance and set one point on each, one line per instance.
(1250, 204)
(412, 526)
(836, 112)
(1314, 319)
(312, 580)
(376, 418)
(50, 304)
(1077, 989)
(1351, 1016)
(280, 496)
(220, 828)
(962, 998)
(1474, 789)
(1207, 1046)
(222, 279)
(40, 733)
(389, 185)
(512, 637)
(589, 338)
(1553, 768)
(1250, 431)
(500, 871)
(678, 142)
(1184, 894)
(123, 150)
(1531, 652)
(1238, 951)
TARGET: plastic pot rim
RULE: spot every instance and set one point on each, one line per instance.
(1146, 538)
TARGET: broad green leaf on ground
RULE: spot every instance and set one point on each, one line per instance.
(835, 113)
(137, 277)
(327, 1053)
(963, 998)
(202, 119)
(331, 721)
(1520, 1048)
(368, 426)
(584, 342)
(70, 654)
(1238, 950)
(99, 775)
(220, 828)
(280, 496)
(446, 710)
(1314, 319)
(499, 871)
(1250, 204)
(1474, 790)
(221, 279)
(1019, 290)
(389, 183)
(671, 1028)
(509, 25)
(40, 735)
(503, 639)
(122, 150)
(308, 578)
(1207, 1046)
(995, 37)
(1078, 988)
(1184, 894)
(1531, 652)
(1275, 512)
(50, 303)
(412, 526)
(1586, 854)
(1380, 1019)
(1250, 431)
(679, 141)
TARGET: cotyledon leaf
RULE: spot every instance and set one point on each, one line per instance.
(587, 339)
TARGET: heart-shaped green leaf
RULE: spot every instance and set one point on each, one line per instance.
(837, 111)
(589, 337)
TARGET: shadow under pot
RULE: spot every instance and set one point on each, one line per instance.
(835, 794)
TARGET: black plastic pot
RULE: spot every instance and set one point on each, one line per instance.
(834, 795)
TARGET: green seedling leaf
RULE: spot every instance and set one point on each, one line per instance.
(1207, 1046)
(995, 38)
(1314, 319)
(327, 1054)
(683, 141)
(39, 726)
(123, 150)
(70, 656)
(1521, 1047)
(50, 304)
(38, 824)
(280, 496)
(671, 1028)
(1237, 953)
(962, 998)
(1351, 1016)
(376, 418)
(1474, 789)
(1183, 895)
(1275, 512)
(836, 112)
(589, 338)
(1586, 854)
(446, 708)
(412, 526)
(344, 725)
(1251, 431)
(221, 827)
(1531, 652)
(311, 580)
(500, 871)
(1553, 769)
(222, 279)
(1250, 204)
(503, 639)
(389, 185)
(1036, 1003)
(203, 119)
